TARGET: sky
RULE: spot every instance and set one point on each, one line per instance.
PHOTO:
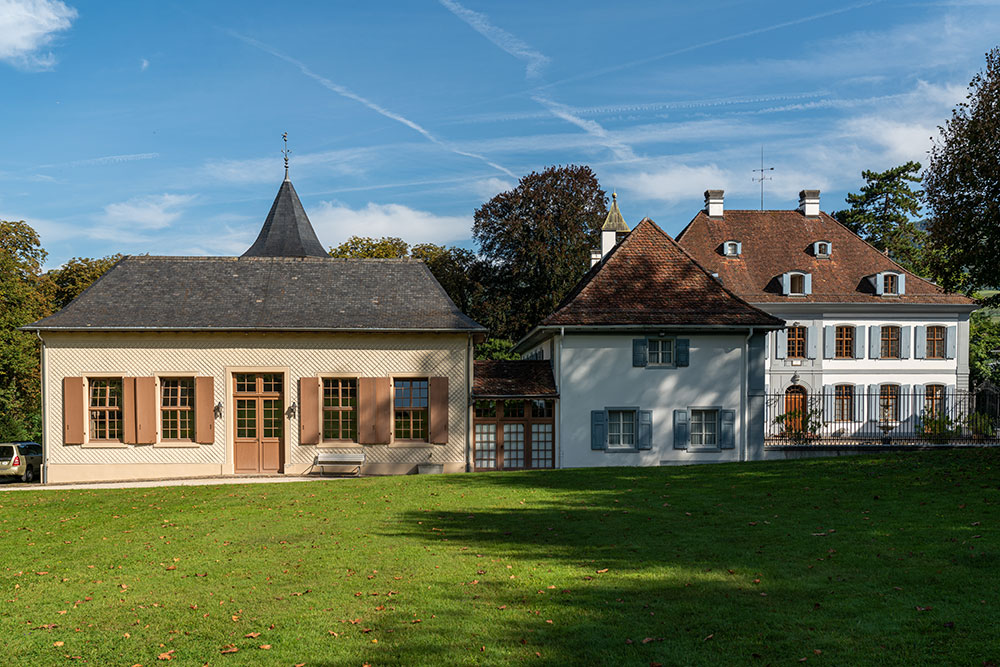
(156, 127)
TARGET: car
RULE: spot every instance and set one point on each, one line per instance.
(23, 459)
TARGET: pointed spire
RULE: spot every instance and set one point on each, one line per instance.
(614, 222)
(287, 231)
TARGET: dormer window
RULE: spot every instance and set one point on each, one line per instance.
(821, 249)
(796, 283)
(890, 283)
(733, 248)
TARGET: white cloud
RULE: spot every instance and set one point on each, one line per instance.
(489, 187)
(269, 170)
(676, 183)
(335, 223)
(27, 27)
(150, 212)
(143, 65)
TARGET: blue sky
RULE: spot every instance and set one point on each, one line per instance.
(152, 127)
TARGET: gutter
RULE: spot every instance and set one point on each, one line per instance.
(539, 332)
(251, 329)
(44, 407)
(745, 397)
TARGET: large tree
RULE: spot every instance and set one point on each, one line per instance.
(387, 247)
(962, 185)
(538, 238)
(76, 275)
(884, 214)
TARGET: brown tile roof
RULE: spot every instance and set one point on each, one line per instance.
(774, 242)
(649, 279)
(521, 379)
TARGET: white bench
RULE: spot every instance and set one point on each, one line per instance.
(341, 459)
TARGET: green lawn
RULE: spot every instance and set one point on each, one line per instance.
(854, 560)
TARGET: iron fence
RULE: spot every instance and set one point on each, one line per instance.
(850, 415)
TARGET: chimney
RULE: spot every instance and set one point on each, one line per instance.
(595, 257)
(713, 203)
(809, 203)
(614, 228)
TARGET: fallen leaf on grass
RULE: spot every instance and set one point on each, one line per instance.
(602, 571)
(708, 637)
(229, 648)
(57, 643)
(266, 647)
(252, 635)
(169, 655)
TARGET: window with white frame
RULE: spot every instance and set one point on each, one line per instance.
(843, 403)
(732, 248)
(660, 352)
(621, 428)
(704, 428)
(797, 284)
(890, 283)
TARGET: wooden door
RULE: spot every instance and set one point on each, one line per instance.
(795, 409)
(258, 444)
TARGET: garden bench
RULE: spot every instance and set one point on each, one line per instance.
(341, 459)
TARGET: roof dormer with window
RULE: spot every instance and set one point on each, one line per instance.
(889, 283)
(822, 249)
(732, 248)
(796, 283)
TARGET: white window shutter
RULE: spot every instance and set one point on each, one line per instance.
(807, 282)
(812, 341)
(874, 342)
(920, 342)
(859, 342)
(901, 283)
(951, 341)
(829, 341)
(829, 397)
(879, 284)
(859, 402)
(786, 284)
(781, 347)
(904, 342)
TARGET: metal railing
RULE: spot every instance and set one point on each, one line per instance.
(891, 416)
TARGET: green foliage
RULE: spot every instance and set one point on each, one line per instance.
(883, 214)
(497, 349)
(537, 239)
(366, 247)
(962, 185)
(939, 428)
(76, 275)
(800, 426)
(980, 424)
(984, 338)
(460, 273)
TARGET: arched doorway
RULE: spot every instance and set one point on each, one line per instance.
(795, 408)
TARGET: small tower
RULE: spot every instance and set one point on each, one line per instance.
(614, 228)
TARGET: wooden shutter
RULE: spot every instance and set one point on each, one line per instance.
(786, 284)
(920, 342)
(681, 429)
(812, 341)
(640, 347)
(366, 411)
(383, 411)
(645, 429)
(146, 407)
(951, 342)
(727, 429)
(74, 410)
(904, 342)
(829, 342)
(683, 351)
(807, 284)
(904, 401)
(873, 396)
(879, 284)
(598, 430)
(859, 403)
(919, 398)
(829, 402)
(128, 411)
(859, 342)
(310, 392)
(204, 410)
(874, 342)
(437, 390)
(901, 284)
(781, 347)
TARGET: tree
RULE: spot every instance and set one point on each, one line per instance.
(962, 185)
(359, 247)
(76, 275)
(882, 214)
(22, 301)
(984, 338)
(497, 349)
(460, 272)
(537, 239)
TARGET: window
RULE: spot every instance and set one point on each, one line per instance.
(822, 249)
(845, 342)
(796, 342)
(535, 355)
(487, 409)
(890, 342)
(513, 409)
(340, 405)
(410, 403)
(542, 409)
(177, 409)
(106, 409)
(732, 248)
(888, 403)
(934, 400)
(797, 284)
(704, 428)
(843, 403)
(621, 428)
(890, 283)
(661, 352)
(935, 342)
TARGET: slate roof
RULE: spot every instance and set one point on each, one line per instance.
(262, 293)
(774, 242)
(513, 379)
(287, 231)
(649, 279)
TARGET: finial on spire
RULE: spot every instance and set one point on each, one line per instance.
(285, 152)
(614, 196)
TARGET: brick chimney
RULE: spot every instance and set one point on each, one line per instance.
(713, 203)
(809, 203)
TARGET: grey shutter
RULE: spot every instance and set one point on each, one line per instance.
(901, 283)
(645, 429)
(919, 398)
(812, 336)
(904, 401)
(920, 342)
(879, 284)
(829, 342)
(598, 430)
(950, 402)
(782, 344)
(859, 402)
(683, 351)
(951, 341)
(681, 429)
(829, 399)
(807, 284)
(904, 342)
(640, 347)
(786, 284)
(739, 248)
(859, 342)
(727, 429)
(874, 342)
(873, 402)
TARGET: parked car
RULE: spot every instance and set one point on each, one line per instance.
(23, 459)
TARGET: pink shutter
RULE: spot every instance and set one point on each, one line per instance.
(310, 390)
(74, 410)
(145, 410)
(204, 410)
(128, 411)
(437, 388)
(383, 410)
(366, 411)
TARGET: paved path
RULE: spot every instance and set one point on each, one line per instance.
(200, 481)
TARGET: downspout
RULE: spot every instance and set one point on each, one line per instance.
(745, 397)
(469, 351)
(45, 439)
(558, 376)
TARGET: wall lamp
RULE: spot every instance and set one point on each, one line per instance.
(218, 410)
(292, 410)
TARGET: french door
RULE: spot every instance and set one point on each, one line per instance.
(258, 445)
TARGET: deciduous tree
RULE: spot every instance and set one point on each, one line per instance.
(359, 247)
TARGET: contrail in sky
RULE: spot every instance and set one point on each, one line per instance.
(107, 159)
(377, 108)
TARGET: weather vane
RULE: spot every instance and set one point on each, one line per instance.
(762, 177)
(285, 152)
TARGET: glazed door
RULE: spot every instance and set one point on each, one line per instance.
(795, 408)
(258, 445)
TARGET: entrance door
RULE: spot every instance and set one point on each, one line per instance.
(258, 443)
(795, 408)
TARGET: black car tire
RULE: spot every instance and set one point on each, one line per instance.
(28, 476)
